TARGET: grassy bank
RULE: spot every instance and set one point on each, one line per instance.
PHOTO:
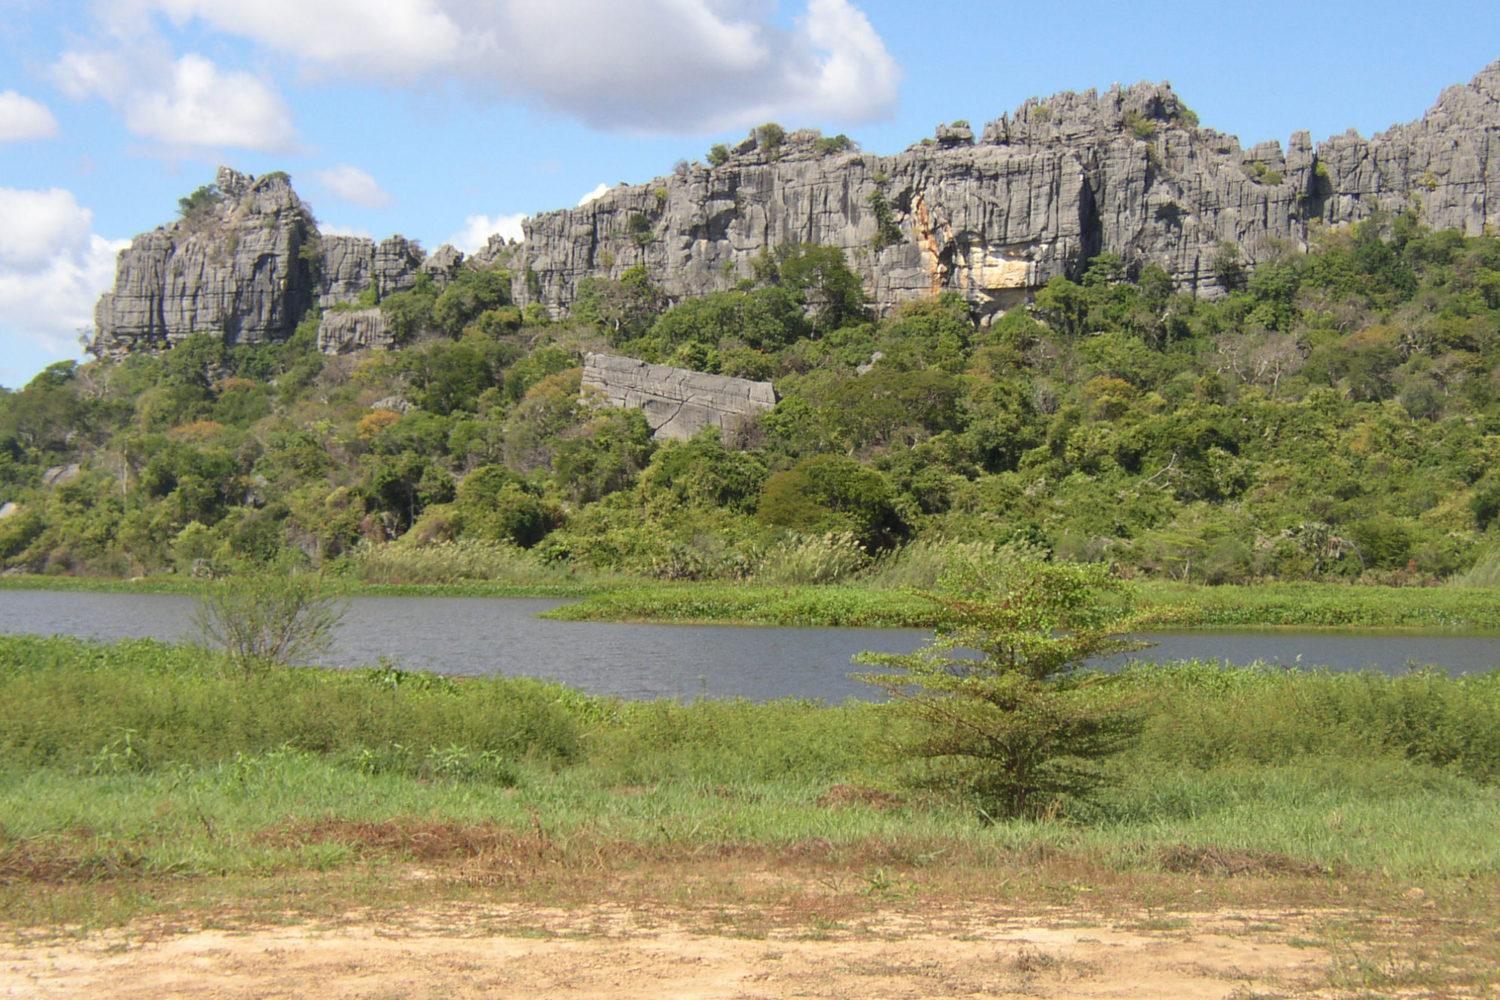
(1324, 605)
(1161, 605)
(144, 760)
(334, 585)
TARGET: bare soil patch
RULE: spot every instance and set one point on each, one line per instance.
(437, 912)
(606, 952)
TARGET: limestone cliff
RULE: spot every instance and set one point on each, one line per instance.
(247, 267)
(343, 331)
(1039, 192)
(1042, 190)
(237, 267)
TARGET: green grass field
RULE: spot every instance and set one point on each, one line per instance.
(155, 759)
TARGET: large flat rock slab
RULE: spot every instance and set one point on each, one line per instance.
(677, 403)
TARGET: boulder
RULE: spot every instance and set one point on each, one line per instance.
(677, 403)
(343, 331)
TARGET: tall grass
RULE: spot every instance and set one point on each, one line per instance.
(1319, 605)
(1202, 715)
(808, 560)
(920, 564)
(150, 758)
(737, 604)
(141, 705)
(1484, 573)
(454, 562)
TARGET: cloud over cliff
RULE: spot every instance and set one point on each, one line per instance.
(656, 66)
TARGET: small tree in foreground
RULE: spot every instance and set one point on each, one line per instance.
(265, 622)
(998, 690)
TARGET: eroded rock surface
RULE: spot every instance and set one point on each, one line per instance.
(1045, 188)
(346, 331)
(1039, 192)
(247, 268)
(236, 269)
(677, 403)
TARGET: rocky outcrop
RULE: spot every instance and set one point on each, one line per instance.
(344, 331)
(351, 265)
(1043, 189)
(1039, 192)
(246, 267)
(234, 267)
(677, 403)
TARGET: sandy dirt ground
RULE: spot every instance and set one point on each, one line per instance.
(609, 952)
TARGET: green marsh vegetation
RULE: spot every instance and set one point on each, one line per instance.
(145, 760)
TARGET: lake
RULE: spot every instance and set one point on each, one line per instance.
(481, 636)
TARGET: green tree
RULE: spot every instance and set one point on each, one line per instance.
(603, 455)
(1022, 728)
(832, 493)
(449, 377)
(701, 472)
(470, 294)
(495, 505)
(200, 201)
(410, 312)
(888, 404)
(1063, 306)
(623, 309)
(770, 137)
(832, 292)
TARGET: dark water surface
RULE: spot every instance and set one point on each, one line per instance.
(479, 636)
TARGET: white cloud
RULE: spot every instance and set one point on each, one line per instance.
(182, 103)
(687, 65)
(331, 230)
(34, 225)
(597, 192)
(22, 118)
(53, 268)
(354, 185)
(646, 65)
(365, 38)
(206, 107)
(92, 74)
(478, 229)
(857, 74)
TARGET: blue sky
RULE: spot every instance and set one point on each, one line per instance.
(445, 120)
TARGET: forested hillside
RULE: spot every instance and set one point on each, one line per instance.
(1336, 416)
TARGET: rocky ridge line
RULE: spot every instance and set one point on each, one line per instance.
(1039, 192)
(1042, 190)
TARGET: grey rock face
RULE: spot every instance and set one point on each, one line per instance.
(61, 475)
(346, 331)
(246, 269)
(1042, 190)
(677, 403)
(236, 269)
(396, 404)
(1047, 187)
(350, 265)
